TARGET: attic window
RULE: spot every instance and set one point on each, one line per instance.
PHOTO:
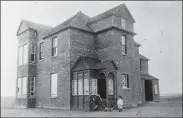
(123, 23)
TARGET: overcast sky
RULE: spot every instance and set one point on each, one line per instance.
(158, 27)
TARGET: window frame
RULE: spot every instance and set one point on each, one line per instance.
(25, 60)
(54, 96)
(19, 87)
(54, 49)
(24, 87)
(124, 46)
(20, 58)
(33, 53)
(41, 51)
(126, 81)
(156, 89)
(123, 23)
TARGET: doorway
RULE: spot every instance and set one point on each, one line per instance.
(148, 90)
(102, 88)
(101, 85)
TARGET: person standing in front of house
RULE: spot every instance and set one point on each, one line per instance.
(120, 103)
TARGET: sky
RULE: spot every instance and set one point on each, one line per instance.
(158, 27)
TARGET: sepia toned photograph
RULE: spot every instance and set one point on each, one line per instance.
(91, 58)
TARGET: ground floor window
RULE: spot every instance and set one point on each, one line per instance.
(125, 81)
(155, 89)
(54, 85)
(80, 84)
(19, 87)
(22, 87)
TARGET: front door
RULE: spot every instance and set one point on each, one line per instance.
(148, 90)
(102, 88)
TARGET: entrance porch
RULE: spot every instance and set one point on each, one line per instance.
(90, 77)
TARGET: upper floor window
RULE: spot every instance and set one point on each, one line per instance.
(54, 46)
(54, 85)
(20, 55)
(123, 23)
(33, 53)
(125, 81)
(123, 43)
(23, 55)
(41, 53)
(32, 86)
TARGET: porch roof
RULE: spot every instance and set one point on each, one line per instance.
(86, 63)
(148, 77)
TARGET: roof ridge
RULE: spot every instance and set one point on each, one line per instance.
(27, 21)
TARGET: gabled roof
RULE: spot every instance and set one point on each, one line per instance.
(77, 21)
(143, 57)
(25, 25)
(148, 77)
(110, 12)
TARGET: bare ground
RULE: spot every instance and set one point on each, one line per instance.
(168, 107)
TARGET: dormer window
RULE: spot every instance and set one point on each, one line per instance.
(123, 23)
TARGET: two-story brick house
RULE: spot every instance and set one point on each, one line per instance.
(60, 67)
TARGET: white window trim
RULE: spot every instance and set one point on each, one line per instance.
(19, 87)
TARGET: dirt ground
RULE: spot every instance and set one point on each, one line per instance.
(165, 108)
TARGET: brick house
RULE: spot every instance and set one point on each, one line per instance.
(60, 67)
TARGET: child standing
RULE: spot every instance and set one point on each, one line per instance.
(120, 103)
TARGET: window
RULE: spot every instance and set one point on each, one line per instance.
(41, 53)
(110, 86)
(24, 86)
(54, 85)
(94, 86)
(25, 54)
(54, 46)
(19, 87)
(74, 87)
(123, 43)
(32, 87)
(33, 53)
(140, 65)
(80, 84)
(20, 56)
(123, 23)
(155, 89)
(86, 83)
(125, 81)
